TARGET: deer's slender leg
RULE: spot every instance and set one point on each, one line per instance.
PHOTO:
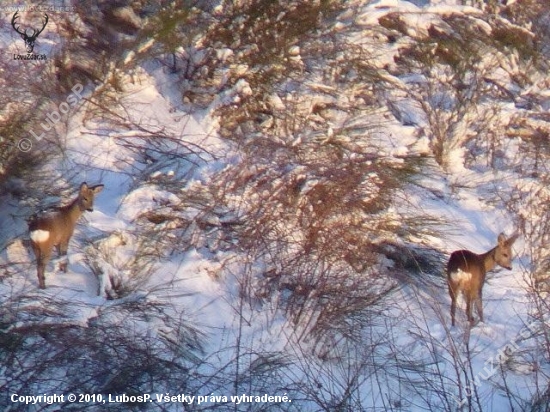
(469, 308)
(479, 305)
(453, 305)
(43, 258)
(62, 249)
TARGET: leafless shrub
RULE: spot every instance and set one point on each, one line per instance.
(48, 350)
(313, 211)
(229, 53)
(311, 195)
(122, 263)
(23, 104)
(454, 75)
(535, 15)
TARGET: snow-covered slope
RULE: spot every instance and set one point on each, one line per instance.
(277, 216)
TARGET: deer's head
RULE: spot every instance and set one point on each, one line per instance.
(86, 196)
(503, 251)
(29, 40)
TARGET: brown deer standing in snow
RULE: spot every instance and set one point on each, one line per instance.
(466, 274)
(55, 228)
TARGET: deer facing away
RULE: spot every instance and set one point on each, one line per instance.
(55, 228)
(466, 272)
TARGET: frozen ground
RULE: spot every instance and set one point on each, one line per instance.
(416, 360)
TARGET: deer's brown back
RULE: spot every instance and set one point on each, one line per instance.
(466, 271)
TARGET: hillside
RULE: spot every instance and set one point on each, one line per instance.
(284, 184)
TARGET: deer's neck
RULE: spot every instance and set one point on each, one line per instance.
(73, 211)
(489, 260)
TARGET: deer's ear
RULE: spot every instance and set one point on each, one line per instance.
(512, 238)
(501, 239)
(97, 188)
(83, 186)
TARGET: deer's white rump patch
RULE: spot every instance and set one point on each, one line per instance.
(461, 276)
(39, 235)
